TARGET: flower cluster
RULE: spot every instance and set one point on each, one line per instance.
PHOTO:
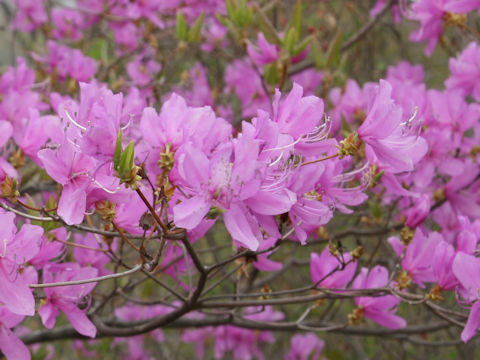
(165, 163)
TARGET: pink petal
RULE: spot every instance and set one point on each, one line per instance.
(473, 323)
(386, 319)
(190, 212)
(16, 295)
(241, 227)
(72, 204)
(463, 267)
(80, 321)
(48, 313)
(54, 166)
(11, 346)
(272, 203)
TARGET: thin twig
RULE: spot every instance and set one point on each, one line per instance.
(88, 281)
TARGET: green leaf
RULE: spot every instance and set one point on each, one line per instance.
(126, 160)
(267, 28)
(303, 45)
(182, 27)
(231, 10)
(221, 19)
(296, 19)
(97, 49)
(195, 31)
(291, 39)
(271, 73)
(333, 53)
(318, 55)
(118, 150)
(376, 210)
(233, 29)
(244, 14)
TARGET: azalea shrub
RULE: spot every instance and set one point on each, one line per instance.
(239, 179)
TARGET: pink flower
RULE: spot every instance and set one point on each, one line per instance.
(30, 15)
(179, 124)
(69, 23)
(196, 89)
(263, 263)
(87, 257)
(404, 72)
(142, 71)
(383, 132)
(131, 312)
(431, 14)
(465, 72)
(50, 248)
(450, 110)
(73, 170)
(309, 80)
(461, 192)
(126, 35)
(231, 174)
(264, 53)
(67, 298)
(296, 114)
(379, 309)
(418, 212)
(65, 61)
(323, 266)
(10, 345)
(244, 81)
(305, 347)
(463, 267)
(245, 343)
(443, 258)
(418, 256)
(16, 249)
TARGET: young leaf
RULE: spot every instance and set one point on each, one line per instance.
(333, 53)
(318, 55)
(126, 160)
(182, 27)
(230, 10)
(194, 33)
(118, 150)
(303, 45)
(291, 39)
(296, 19)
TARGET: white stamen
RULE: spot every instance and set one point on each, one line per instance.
(74, 122)
(320, 132)
(285, 147)
(5, 241)
(276, 160)
(128, 123)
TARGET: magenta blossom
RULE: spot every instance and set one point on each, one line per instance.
(264, 53)
(463, 267)
(17, 248)
(417, 260)
(305, 347)
(10, 345)
(30, 15)
(69, 23)
(442, 266)
(73, 170)
(323, 266)
(465, 71)
(244, 81)
(386, 138)
(67, 298)
(379, 309)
